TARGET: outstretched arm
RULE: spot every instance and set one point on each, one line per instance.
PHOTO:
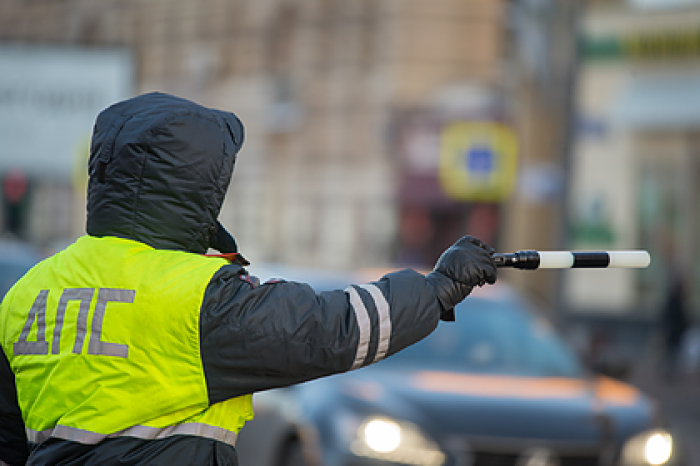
(282, 333)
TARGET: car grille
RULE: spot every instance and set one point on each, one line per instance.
(481, 458)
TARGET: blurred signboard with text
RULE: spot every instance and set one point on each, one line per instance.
(49, 98)
(677, 43)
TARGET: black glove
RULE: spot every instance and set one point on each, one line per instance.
(466, 264)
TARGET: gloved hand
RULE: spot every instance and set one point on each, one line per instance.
(466, 264)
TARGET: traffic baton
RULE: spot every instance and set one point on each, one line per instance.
(531, 260)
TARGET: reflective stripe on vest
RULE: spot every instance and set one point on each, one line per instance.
(103, 339)
(142, 432)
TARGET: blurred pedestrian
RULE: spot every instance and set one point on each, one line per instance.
(132, 346)
(674, 323)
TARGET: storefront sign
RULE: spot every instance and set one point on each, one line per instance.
(644, 46)
(49, 98)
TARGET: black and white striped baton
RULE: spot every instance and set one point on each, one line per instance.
(532, 260)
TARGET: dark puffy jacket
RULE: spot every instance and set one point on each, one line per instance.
(159, 170)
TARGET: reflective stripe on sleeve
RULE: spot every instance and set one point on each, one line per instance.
(142, 432)
(363, 324)
(384, 320)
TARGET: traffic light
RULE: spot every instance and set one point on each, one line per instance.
(15, 187)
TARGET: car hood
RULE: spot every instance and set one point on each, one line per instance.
(555, 408)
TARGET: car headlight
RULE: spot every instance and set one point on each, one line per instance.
(650, 448)
(397, 441)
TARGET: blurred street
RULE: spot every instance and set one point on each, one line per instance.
(379, 132)
(679, 399)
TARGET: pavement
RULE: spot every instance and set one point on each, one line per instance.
(679, 398)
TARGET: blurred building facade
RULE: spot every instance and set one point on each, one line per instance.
(343, 104)
(578, 120)
(636, 172)
(348, 107)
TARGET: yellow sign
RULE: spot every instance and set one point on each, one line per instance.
(478, 161)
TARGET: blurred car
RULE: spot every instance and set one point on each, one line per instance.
(498, 387)
(16, 258)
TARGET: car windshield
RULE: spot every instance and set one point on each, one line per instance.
(492, 337)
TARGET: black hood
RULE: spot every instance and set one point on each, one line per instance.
(159, 170)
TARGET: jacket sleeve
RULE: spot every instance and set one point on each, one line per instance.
(13, 439)
(281, 333)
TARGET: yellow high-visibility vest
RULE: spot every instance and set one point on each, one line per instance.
(103, 339)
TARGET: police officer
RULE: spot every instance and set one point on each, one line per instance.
(131, 346)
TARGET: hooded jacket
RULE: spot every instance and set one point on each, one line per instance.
(159, 170)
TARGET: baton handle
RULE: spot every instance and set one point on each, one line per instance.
(532, 260)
